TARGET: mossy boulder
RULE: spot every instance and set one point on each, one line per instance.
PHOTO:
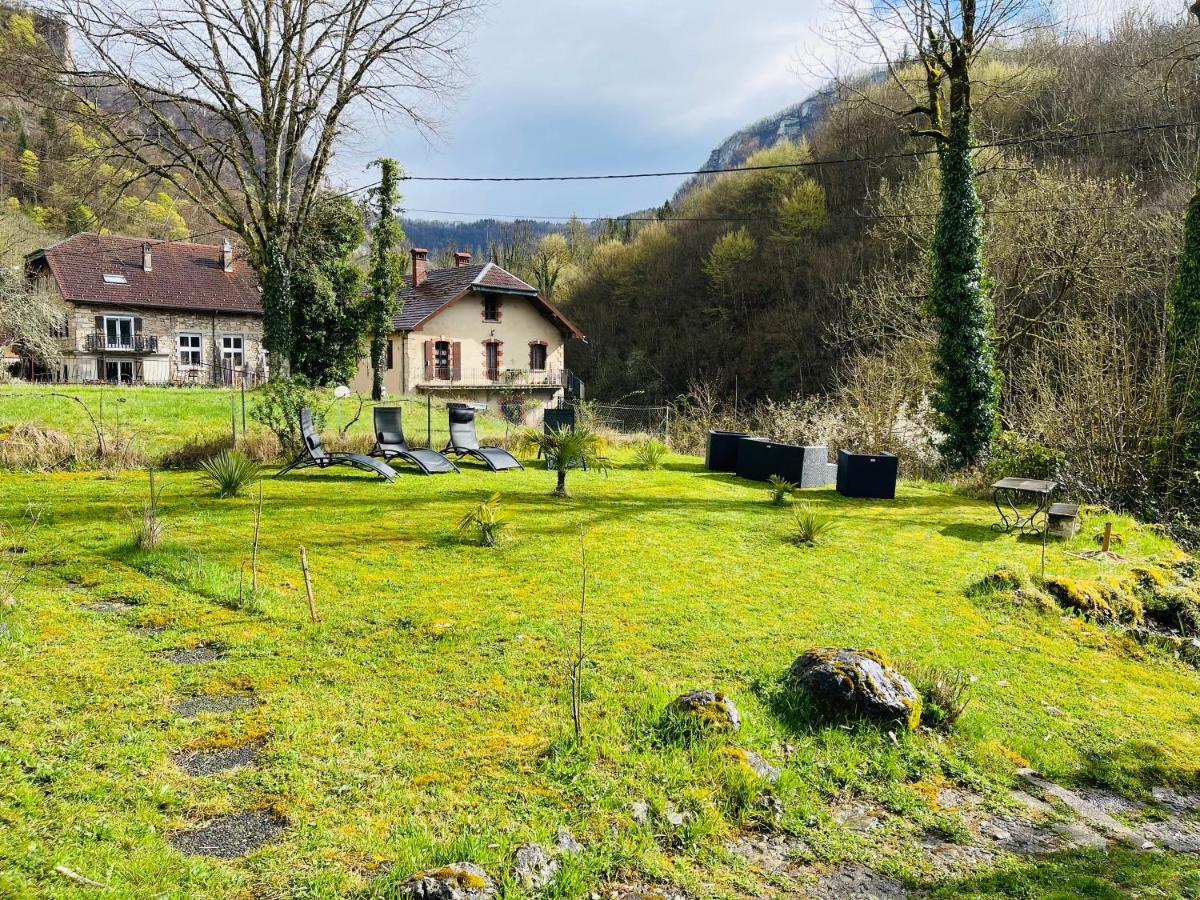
(457, 881)
(710, 710)
(843, 683)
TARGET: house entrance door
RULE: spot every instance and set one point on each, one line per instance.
(118, 371)
(493, 361)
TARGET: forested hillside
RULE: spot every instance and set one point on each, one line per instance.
(1084, 203)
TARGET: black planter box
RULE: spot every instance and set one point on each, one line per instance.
(760, 458)
(723, 450)
(871, 475)
(559, 419)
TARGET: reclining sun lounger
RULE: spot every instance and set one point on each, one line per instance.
(390, 444)
(464, 442)
(314, 454)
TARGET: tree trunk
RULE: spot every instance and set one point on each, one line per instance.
(378, 346)
(967, 388)
(561, 490)
(277, 311)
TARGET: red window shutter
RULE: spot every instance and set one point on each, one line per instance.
(137, 326)
(99, 323)
(429, 359)
(390, 359)
(456, 360)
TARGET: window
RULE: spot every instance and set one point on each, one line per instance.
(118, 332)
(390, 359)
(59, 327)
(190, 353)
(441, 359)
(231, 349)
(491, 308)
(118, 371)
(492, 357)
(537, 357)
(115, 279)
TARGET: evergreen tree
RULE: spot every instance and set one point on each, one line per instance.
(327, 303)
(387, 269)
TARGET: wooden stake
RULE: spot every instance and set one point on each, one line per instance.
(254, 546)
(1107, 537)
(312, 606)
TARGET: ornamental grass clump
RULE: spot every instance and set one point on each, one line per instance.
(485, 519)
(809, 527)
(650, 455)
(230, 473)
(780, 489)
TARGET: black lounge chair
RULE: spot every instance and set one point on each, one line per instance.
(464, 442)
(314, 454)
(390, 444)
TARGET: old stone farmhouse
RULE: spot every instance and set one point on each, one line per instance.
(476, 332)
(137, 311)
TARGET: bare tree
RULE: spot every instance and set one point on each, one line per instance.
(241, 105)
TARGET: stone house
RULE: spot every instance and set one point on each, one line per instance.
(475, 332)
(150, 312)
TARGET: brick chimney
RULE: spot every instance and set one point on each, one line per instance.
(227, 255)
(147, 258)
(461, 259)
(420, 258)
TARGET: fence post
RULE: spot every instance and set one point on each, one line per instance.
(429, 421)
(233, 417)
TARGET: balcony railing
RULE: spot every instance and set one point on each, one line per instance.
(138, 343)
(499, 378)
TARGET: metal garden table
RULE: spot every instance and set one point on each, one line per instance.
(1009, 493)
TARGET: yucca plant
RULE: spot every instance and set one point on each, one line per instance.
(486, 518)
(780, 488)
(230, 472)
(810, 527)
(651, 454)
(579, 446)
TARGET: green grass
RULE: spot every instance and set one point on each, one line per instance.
(162, 419)
(425, 719)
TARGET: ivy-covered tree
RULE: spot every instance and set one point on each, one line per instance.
(387, 269)
(327, 301)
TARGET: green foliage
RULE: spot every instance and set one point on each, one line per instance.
(148, 528)
(1019, 457)
(567, 447)
(650, 454)
(484, 517)
(780, 489)
(945, 693)
(387, 269)
(275, 278)
(967, 391)
(277, 406)
(810, 527)
(327, 303)
(230, 473)
(1183, 340)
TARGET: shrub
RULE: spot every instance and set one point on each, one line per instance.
(230, 472)
(29, 446)
(486, 518)
(277, 405)
(810, 527)
(260, 446)
(780, 488)
(946, 693)
(148, 528)
(1012, 455)
(650, 454)
(568, 447)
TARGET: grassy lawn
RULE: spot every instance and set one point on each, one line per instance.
(424, 718)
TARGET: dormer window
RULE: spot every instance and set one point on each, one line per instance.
(115, 279)
(491, 308)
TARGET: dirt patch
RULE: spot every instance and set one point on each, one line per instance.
(189, 707)
(636, 891)
(147, 631)
(1020, 836)
(111, 606)
(228, 837)
(209, 762)
(954, 859)
(858, 815)
(854, 882)
(1175, 802)
(774, 854)
(201, 653)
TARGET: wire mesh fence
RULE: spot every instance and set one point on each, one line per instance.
(629, 419)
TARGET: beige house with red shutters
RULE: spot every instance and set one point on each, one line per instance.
(475, 332)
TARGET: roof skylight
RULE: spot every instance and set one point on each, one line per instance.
(115, 279)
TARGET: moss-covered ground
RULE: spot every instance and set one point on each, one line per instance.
(425, 717)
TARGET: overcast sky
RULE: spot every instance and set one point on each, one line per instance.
(582, 86)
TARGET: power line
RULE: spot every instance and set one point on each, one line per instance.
(809, 164)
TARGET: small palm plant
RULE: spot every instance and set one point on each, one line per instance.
(780, 488)
(486, 518)
(230, 472)
(567, 447)
(650, 455)
(810, 527)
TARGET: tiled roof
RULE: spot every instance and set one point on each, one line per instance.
(182, 276)
(442, 287)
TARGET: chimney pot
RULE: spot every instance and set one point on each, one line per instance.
(462, 258)
(420, 259)
(227, 255)
(147, 258)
